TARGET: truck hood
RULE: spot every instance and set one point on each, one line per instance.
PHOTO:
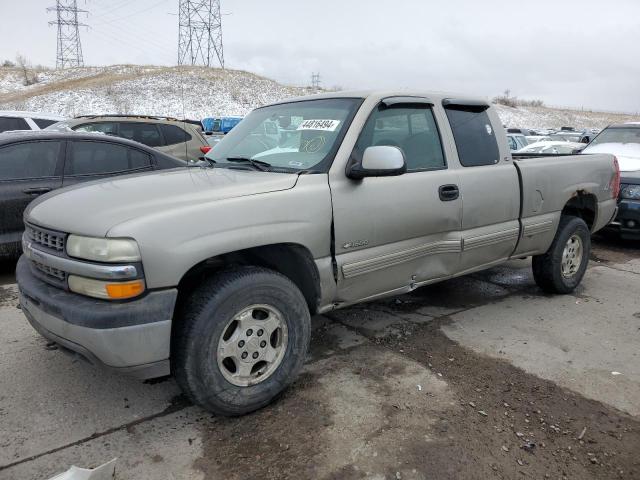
(94, 208)
(628, 154)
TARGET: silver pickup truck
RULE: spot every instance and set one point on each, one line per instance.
(212, 272)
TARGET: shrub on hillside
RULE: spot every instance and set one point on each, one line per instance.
(29, 75)
(509, 101)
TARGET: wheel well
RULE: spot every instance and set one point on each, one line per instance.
(291, 260)
(582, 205)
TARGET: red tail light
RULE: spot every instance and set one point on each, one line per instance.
(205, 149)
(614, 186)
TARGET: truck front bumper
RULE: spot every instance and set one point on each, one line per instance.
(132, 337)
(627, 222)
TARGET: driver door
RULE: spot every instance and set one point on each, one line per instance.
(392, 233)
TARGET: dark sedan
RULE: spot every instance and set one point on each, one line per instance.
(623, 141)
(33, 163)
(628, 219)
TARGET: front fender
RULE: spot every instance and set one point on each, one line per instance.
(171, 243)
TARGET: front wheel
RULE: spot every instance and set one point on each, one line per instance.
(562, 267)
(240, 340)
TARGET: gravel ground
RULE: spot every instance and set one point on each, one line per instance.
(478, 377)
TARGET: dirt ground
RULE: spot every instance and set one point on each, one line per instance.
(386, 394)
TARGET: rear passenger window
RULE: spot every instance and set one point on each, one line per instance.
(29, 160)
(146, 133)
(174, 134)
(474, 136)
(43, 123)
(88, 158)
(138, 159)
(412, 129)
(13, 123)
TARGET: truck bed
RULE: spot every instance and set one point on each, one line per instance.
(547, 184)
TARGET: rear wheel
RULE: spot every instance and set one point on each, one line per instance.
(241, 340)
(562, 267)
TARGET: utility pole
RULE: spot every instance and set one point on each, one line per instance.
(315, 81)
(200, 33)
(69, 49)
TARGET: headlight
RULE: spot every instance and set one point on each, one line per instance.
(103, 249)
(105, 289)
(632, 192)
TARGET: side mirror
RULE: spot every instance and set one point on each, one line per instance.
(380, 161)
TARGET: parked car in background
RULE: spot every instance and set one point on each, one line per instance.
(544, 132)
(18, 120)
(623, 141)
(213, 273)
(33, 163)
(215, 128)
(516, 141)
(522, 131)
(538, 138)
(572, 136)
(180, 138)
(553, 147)
(220, 125)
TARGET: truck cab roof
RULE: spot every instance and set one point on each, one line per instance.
(433, 96)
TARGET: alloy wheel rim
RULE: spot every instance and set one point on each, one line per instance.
(252, 345)
(572, 256)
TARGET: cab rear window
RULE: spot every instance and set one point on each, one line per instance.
(474, 136)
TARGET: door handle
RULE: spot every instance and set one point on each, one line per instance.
(448, 192)
(36, 190)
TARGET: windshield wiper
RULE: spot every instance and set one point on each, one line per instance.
(257, 164)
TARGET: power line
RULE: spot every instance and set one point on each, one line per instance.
(200, 33)
(103, 10)
(315, 81)
(124, 17)
(69, 48)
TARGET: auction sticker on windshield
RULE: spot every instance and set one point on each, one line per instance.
(325, 125)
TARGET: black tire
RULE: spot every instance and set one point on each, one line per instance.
(204, 319)
(547, 268)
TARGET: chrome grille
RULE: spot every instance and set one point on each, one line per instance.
(50, 271)
(46, 238)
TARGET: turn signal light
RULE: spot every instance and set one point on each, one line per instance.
(105, 289)
(119, 291)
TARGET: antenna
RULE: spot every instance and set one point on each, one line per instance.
(69, 50)
(315, 81)
(200, 33)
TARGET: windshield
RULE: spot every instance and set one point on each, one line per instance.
(290, 137)
(59, 127)
(618, 135)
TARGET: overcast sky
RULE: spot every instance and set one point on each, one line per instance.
(581, 53)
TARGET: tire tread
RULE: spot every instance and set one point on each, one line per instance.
(546, 266)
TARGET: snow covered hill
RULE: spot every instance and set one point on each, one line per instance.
(545, 117)
(142, 90)
(197, 92)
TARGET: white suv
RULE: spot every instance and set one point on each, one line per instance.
(16, 120)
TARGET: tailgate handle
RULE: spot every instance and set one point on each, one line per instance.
(448, 192)
(36, 190)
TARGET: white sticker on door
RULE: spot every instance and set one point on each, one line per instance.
(325, 125)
